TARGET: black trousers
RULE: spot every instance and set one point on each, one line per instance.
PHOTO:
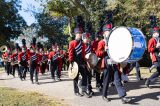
(43, 67)
(23, 71)
(54, 70)
(99, 78)
(8, 68)
(157, 73)
(89, 78)
(111, 71)
(137, 66)
(83, 72)
(14, 67)
(33, 72)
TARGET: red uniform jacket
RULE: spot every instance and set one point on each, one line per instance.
(94, 46)
(101, 48)
(43, 57)
(53, 56)
(100, 52)
(23, 58)
(34, 57)
(60, 60)
(6, 55)
(14, 57)
(152, 48)
(75, 49)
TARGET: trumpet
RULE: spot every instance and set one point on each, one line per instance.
(43, 61)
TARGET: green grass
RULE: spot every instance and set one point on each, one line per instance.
(144, 72)
(12, 97)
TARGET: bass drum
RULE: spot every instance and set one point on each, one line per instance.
(92, 60)
(126, 44)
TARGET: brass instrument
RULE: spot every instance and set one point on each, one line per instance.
(14, 63)
(3, 48)
(43, 61)
(5, 59)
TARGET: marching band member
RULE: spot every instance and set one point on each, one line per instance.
(60, 61)
(77, 53)
(109, 68)
(86, 41)
(128, 68)
(138, 73)
(33, 62)
(14, 60)
(153, 55)
(7, 61)
(53, 61)
(43, 60)
(23, 60)
(153, 49)
(99, 79)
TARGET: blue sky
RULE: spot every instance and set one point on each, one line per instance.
(27, 7)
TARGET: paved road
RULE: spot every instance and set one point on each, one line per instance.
(63, 91)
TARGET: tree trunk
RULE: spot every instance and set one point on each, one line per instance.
(69, 26)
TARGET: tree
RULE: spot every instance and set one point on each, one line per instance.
(11, 22)
(91, 10)
(51, 28)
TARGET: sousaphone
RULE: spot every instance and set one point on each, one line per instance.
(3, 48)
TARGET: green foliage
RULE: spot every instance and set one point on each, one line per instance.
(11, 22)
(91, 10)
(131, 13)
(52, 28)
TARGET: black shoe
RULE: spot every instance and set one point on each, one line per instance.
(24, 78)
(91, 93)
(86, 94)
(105, 98)
(112, 84)
(125, 100)
(32, 82)
(139, 79)
(78, 94)
(21, 79)
(58, 79)
(147, 83)
(37, 83)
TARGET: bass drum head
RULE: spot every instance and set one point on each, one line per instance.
(93, 60)
(120, 44)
